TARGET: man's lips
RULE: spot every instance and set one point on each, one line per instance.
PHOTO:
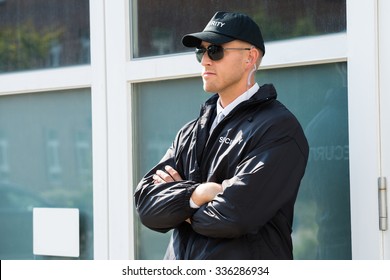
(207, 74)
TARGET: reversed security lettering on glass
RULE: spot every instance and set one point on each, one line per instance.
(328, 153)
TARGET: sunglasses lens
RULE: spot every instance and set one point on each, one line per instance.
(199, 53)
(213, 51)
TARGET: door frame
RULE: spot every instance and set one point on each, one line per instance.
(367, 162)
(384, 89)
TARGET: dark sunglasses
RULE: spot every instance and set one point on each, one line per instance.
(214, 52)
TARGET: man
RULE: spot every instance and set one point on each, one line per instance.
(228, 184)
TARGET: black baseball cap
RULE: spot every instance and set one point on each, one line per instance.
(225, 27)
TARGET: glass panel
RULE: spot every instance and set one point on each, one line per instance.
(152, 142)
(322, 225)
(43, 34)
(45, 161)
(317, 95)
(158, 25)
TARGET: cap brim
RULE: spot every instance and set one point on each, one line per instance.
(195, 39)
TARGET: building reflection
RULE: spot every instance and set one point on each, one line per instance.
(327, 173)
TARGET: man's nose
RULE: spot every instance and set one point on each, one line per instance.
(205, 59)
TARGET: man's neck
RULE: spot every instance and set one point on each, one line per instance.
(228, 96)
(241, 98)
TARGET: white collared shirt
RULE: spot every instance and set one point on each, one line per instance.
(241, 98)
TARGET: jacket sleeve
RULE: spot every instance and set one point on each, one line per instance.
(164, 206)
(265, 182)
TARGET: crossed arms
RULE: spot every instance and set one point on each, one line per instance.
(202, 194)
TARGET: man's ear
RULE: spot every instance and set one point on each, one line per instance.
(254, 55)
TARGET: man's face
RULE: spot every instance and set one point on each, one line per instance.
(225, 76)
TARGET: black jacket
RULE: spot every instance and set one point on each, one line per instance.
(258, 153)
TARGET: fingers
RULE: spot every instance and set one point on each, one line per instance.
(173, 173)
(157, 180)
(168, 175)
(164, 177)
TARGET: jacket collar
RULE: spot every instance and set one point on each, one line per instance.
(264, 93)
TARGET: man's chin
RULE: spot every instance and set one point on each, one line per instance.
(209, 90)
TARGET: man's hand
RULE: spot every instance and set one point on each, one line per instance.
(167, 175)
(203, 193)
(206, 192)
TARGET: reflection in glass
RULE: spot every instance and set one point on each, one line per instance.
(317, 95)
(329, 160)
(158, 25)
(45, 161)
(152, 142)
(43, 34)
